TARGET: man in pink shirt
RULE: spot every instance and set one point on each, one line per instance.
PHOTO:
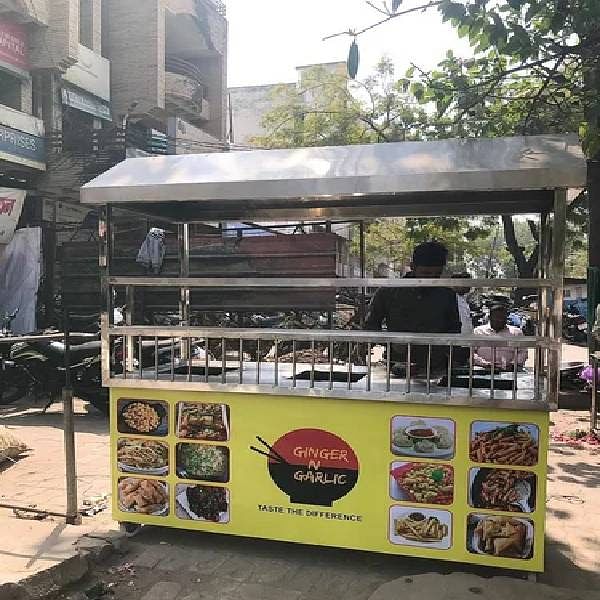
(505, 357)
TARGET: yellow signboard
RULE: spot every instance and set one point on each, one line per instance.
(443, 482)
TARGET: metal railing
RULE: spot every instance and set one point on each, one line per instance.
(334, 363)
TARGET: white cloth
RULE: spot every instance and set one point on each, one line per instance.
(20, 270)
(152, 250)
(505, 357)
(464, 312)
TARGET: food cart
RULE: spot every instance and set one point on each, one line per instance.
(338, 451)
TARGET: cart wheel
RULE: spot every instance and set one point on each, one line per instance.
(129, 529)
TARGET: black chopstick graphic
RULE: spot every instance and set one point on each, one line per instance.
(271, 449)
(271, 456)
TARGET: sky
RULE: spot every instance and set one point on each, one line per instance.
(269, 38)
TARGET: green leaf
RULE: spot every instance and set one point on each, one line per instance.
(453, 10)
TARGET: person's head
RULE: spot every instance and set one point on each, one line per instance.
(429, 260)
(498, 316)
(461, 291)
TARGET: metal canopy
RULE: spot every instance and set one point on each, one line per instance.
(459, 176)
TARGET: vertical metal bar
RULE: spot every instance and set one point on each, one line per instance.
(206, 359)
(312, 364)
(125, 342)
(73, 517)
(449, 387)
(183, 237)
(130, 301)
(241, 361)
(140, 361)
(594, 403)
(107, 315)
(515, 373)
(492, 372)
(363, 290)
(188, 344)
(428, 371)
(408, 368)
(558, 269)
(293, 363)
(223, 361)
(155, 357)
(331, 365)
(258, 361)
(388, 367)
(537, 373)
(172, 359)
(471, 361)
(369, 367)
(349, 365)
(276, 365)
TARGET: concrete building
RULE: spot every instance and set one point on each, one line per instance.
(85, 83)
(250, 104)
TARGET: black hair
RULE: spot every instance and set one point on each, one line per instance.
(430, 254)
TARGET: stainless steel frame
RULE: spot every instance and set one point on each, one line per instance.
(451, 177)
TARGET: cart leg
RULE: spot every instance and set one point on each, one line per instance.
(129, 529)
(533, 577)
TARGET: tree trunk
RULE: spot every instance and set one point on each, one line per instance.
(526, 267)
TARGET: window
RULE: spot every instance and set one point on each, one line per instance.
(86, 23)
(10, 91)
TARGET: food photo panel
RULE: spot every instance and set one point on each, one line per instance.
(500, 536)
(203, 462)
(202, 503)
(147, 457)
(422, 437)
(144, 496)
(423, 527)
(425, 483)
(502, 489)
(504, 443)
(143, 417)
(203, 421)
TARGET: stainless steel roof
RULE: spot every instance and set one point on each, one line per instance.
(350, 173)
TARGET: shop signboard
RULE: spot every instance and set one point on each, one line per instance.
(86, 103)
(445, 482)
(13, 45)
(11, 205)
(21, 147)
(91, 73)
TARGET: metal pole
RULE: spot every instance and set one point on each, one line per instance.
(73, 517)
(557, 269)
(362, 273)
(594, 407)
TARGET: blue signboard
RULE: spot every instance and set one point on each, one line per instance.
(23, 145)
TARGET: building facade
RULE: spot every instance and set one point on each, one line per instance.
(86, 83)
(249, 105)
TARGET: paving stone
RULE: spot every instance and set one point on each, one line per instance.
(272, 571)
(213, 588)
(163, 590)
(148, 559)
(237, 568)
(258, 591)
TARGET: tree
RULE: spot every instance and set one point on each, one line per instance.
(536, 69)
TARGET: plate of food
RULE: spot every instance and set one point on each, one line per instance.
(203, 503)
(203, 462)
(505, 537)
(426, 483)
(431, 438)
(504, 443)
(502, 489)
(143, 496)
(425, 528)
(142, 417)
(142, 456)
(203, 421)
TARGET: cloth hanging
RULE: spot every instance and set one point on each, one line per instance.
(152, 250)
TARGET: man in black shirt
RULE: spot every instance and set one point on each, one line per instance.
(418, 310)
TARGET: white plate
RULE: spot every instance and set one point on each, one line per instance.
(399, 512)
(183, 502)
(528, 539)
(410, 451)
(143, 471)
